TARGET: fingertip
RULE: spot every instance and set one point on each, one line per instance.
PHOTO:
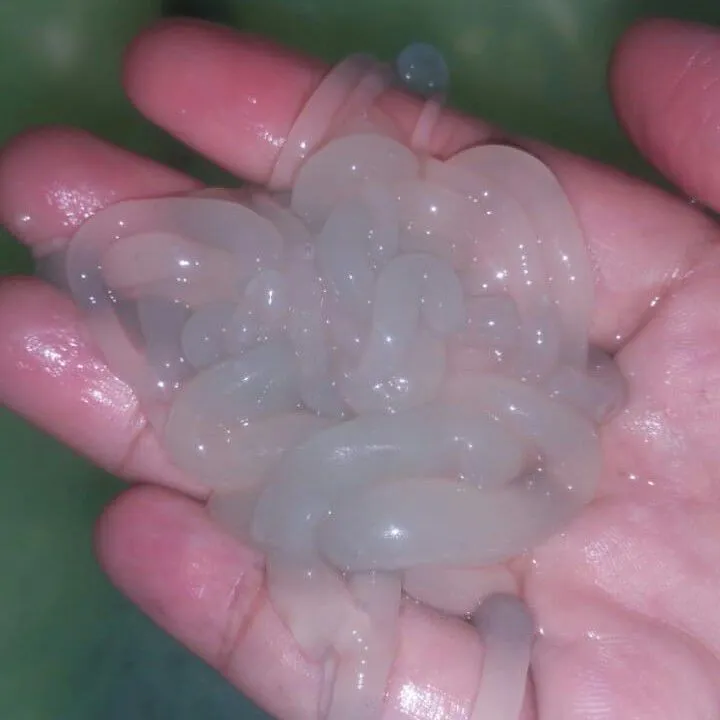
(627, 53)
(52, 179)
(24, 303)
(663, 77)
(649, 51)
(23, 210)
(123, 528)
(152, 44)
(50, 374)
(643, 37)
(109, 525)
(641, 31)
(162, 551)
(229, 95)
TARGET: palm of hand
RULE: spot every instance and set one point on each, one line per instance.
(624, 598)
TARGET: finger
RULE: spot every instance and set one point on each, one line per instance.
(666, 84)
(234, 97)
(53, 179)
(205, 589)
(50, 373)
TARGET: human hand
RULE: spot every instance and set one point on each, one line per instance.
(625, 599)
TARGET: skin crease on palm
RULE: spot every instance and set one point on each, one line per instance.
(625, 599)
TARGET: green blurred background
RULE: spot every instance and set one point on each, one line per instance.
(70, 647)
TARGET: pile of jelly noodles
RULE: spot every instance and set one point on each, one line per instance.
(380, 368)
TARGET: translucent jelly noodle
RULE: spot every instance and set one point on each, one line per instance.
(379, 366)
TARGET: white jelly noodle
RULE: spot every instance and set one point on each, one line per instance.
(379, 366)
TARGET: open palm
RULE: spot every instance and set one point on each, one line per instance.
(626, 599)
